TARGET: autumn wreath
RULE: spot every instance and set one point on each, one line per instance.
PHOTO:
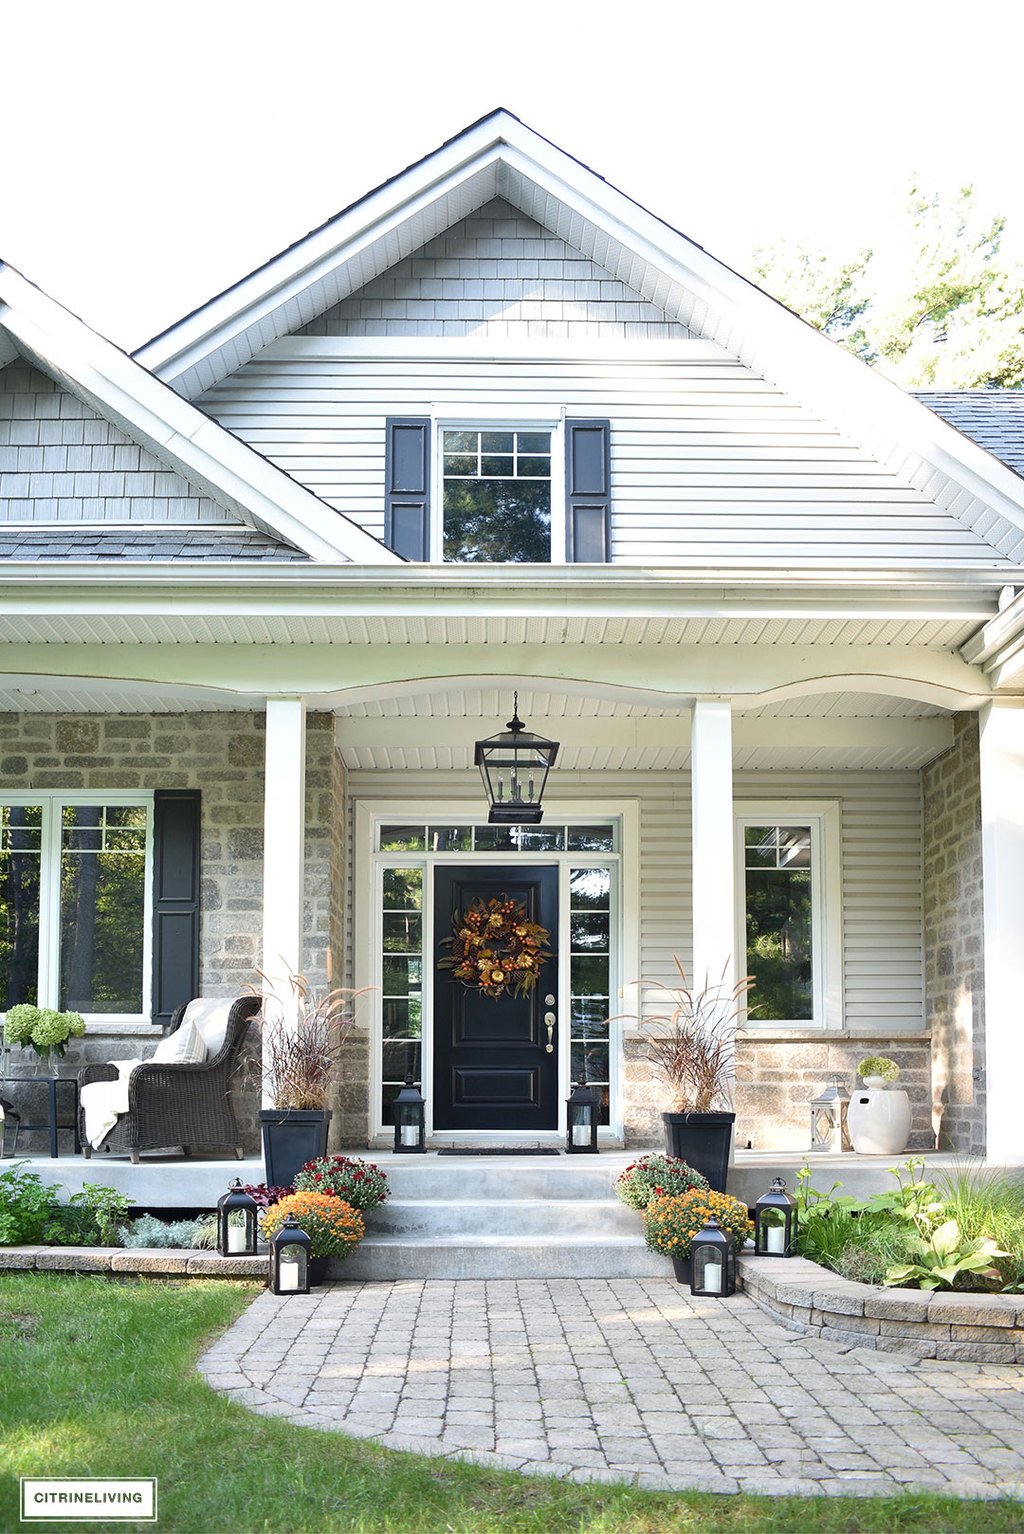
(494, 948)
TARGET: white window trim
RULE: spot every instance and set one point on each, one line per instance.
(625, 965)
(492, 417)
(49, 897)
(823, 816)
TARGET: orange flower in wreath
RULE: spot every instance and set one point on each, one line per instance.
(515, 951)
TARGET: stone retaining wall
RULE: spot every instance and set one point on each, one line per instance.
(978, 1328)
(153, 1261)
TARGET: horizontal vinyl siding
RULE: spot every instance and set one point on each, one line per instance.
(60, 461)
(708, 461)
(881, 869)
(497, 273)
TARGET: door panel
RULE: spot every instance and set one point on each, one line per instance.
(491, 1065)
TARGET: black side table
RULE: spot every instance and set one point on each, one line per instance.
(52, 1083)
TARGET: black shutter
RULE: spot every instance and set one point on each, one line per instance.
(407, 487)
(588, 508)
(176, 830)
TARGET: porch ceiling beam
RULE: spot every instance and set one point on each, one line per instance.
(933, 735)
(330, 676)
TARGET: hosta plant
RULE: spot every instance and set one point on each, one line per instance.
(939, 1260)
(654, 1175)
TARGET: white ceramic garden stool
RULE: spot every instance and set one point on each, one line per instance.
(879, 1119)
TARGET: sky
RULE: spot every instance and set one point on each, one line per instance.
(155, 152)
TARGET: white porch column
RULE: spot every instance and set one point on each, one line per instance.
(714, 881)
(284, 822)
(1002, 844)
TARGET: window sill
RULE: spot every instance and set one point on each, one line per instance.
(132, 1030)
(835, 1035)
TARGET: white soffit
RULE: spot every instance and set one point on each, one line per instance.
(502, 156)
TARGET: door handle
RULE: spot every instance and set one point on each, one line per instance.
(549, 1023)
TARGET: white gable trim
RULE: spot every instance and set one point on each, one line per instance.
(500, 156)
(217, 463)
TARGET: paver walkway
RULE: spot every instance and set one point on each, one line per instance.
(622, 1380)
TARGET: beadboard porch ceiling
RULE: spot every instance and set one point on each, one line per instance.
(436, 730)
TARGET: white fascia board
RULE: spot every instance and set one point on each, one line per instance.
(210, 586)
(200, 449)
(1001, 638)
(201, 334)
(782, 346)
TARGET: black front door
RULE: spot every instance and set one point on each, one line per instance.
(492, 1067)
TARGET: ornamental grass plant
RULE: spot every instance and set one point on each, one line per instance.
(692, 1044)
(654, 1175)
(670, 1224)
(303, 1036)
(334, 1227)
(360, 1183)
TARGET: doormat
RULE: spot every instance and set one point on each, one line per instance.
(500, 1150)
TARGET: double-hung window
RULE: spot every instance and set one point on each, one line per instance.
(463, 490)
(75, 902)
(789, 918)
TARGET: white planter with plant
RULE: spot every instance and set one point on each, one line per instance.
(877, 1117)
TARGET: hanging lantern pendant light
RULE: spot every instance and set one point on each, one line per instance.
(514, 766)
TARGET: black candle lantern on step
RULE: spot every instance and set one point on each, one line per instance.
(713, 1261)
(236, 1222)
(290, 1253)
(582, 1115)
(410, 1114)
(514, 766)
(775, 1222)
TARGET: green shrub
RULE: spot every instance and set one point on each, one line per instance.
(26, 1206)
(31, 1212)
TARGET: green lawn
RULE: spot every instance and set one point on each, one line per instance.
(97, 1378)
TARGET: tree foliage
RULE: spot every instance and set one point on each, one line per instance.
(950, 315)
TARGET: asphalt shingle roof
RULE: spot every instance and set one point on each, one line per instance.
(993, 418)
(144, 543)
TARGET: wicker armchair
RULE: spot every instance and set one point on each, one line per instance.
(171, 1105)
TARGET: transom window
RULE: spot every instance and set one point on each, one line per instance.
(435, 837)
(74, 902)
(496, 496)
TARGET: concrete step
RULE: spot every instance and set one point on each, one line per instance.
(386, 1258)
(525, 1217)
(501, 1178)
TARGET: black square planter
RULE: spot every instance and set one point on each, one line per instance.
(291, 1137)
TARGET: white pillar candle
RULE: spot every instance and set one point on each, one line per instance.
(236, 1238)
(288, 1276)
(410, 1134)
(712, 1279)
(581, 1134)
(776, 1239)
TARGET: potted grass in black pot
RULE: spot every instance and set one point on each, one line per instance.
(303, 1036)
(692, 1045)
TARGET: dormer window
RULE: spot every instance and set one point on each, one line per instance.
(501, 492)
(496, 495)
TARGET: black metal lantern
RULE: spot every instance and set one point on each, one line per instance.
(290, 1254)
(514, 766)
(775, 1222)
(713, 1261)
(583, 1111)
(236, 1222)
(410, 1113)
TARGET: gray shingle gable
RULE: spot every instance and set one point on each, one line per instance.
(993, 418)
(61, 461)
(497, 273)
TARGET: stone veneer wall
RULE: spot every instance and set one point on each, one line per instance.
(954, 940)
(777, 1077)
(223, 755)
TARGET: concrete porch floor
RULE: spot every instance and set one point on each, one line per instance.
(176, 1182)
